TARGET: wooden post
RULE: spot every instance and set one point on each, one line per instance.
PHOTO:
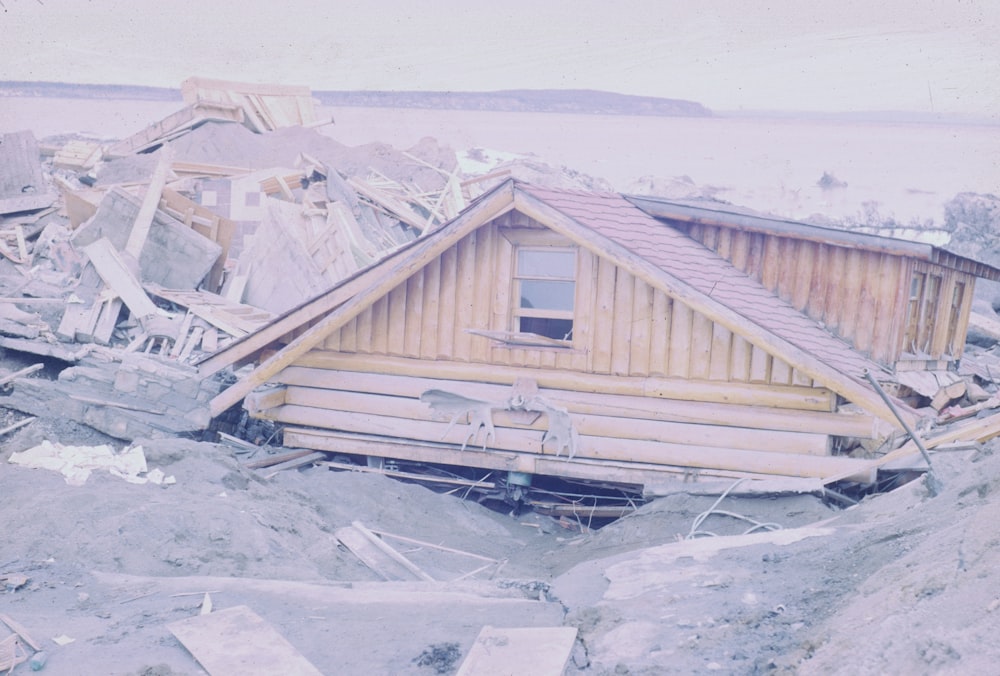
(147, 211)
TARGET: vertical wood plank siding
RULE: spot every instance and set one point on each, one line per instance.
(860, 295)
(623, 326)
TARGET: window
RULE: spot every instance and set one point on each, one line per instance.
(913, 311)
(955, 314)
(544, 289)
(926, 290)
(932, 295)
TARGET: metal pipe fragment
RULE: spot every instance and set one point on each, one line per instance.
(934, 483)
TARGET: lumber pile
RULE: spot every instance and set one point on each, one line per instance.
(129, 260)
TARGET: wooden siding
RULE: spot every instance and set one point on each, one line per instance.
(629, 423)
(860, 295)
(622, 326)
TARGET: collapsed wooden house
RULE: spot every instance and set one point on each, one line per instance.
(595, 336)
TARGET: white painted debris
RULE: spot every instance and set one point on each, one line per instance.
(76, 463)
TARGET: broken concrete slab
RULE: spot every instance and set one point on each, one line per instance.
(143, 395)
(174, 255)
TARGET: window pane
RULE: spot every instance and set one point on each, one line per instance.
(546, 263)
(547, 295)
(559, 329)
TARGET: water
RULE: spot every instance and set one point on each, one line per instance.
(910, 170)
(905, 171)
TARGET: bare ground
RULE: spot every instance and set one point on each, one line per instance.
(902, 583)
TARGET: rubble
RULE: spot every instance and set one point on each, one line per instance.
(133, 259)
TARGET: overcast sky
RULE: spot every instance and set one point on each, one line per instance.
(833, 55)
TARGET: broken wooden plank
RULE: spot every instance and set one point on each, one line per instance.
(174, 125)
(431, 545)
(947, 394)
(116, 274)
(392, 205)
(236, 319)
(16, 426)
(538, 651)
(150, 201)
(34, 368)
(270, 460)
(11, 653)
(238, 642)
(107, 321)
(20, 631)
(385, 561)
(488, 485)
(295, 463)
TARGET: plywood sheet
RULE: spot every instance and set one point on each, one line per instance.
(526, 651)
(238, 642)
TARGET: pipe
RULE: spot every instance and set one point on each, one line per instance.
(934, 484)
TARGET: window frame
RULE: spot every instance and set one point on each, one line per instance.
(509, 336)
(518, 277)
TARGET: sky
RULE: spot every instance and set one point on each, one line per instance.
(938, 56)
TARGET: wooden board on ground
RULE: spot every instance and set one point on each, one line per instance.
(527, 651)
(238, 642)
(389, 564)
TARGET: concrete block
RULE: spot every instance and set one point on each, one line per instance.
(126, 381)
(174, 256)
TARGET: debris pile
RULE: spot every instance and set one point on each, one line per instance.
(128, 261)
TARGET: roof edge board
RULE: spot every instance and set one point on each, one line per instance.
(727, 219)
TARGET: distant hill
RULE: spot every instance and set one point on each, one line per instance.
(65, 90)
(584, 101)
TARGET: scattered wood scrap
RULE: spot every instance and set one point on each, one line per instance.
(385, 561)
(539, 651)
(238, 642)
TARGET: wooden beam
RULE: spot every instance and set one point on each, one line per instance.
(592, 422)
(151, 200)
(116, 274)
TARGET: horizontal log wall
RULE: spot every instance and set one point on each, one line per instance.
(581, 468)
(635, 427)
(782, 397)
(620, 404)
(623, 326)
(590, 447)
